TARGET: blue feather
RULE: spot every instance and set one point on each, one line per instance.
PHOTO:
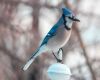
(52, 32)
(67, 11)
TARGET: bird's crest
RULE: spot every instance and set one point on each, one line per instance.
(67, 11)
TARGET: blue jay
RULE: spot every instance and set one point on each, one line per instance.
(56, 38)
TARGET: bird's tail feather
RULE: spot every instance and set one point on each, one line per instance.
(40, 50)
(26, 66)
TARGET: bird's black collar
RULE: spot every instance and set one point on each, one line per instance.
(67, 28)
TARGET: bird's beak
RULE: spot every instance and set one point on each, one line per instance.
(75, 19)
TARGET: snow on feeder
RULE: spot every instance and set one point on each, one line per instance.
(59, 71)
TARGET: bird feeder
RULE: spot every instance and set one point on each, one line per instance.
(59, 71)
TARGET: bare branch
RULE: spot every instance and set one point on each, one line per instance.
(84, 52)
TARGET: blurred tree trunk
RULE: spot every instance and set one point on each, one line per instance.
(11, 57)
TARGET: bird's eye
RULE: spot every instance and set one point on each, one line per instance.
(70, 17)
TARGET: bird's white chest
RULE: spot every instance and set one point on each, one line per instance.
(61, 38)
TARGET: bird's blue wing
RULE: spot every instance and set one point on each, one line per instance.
(50, 34)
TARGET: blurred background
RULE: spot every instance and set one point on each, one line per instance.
(23, 23)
